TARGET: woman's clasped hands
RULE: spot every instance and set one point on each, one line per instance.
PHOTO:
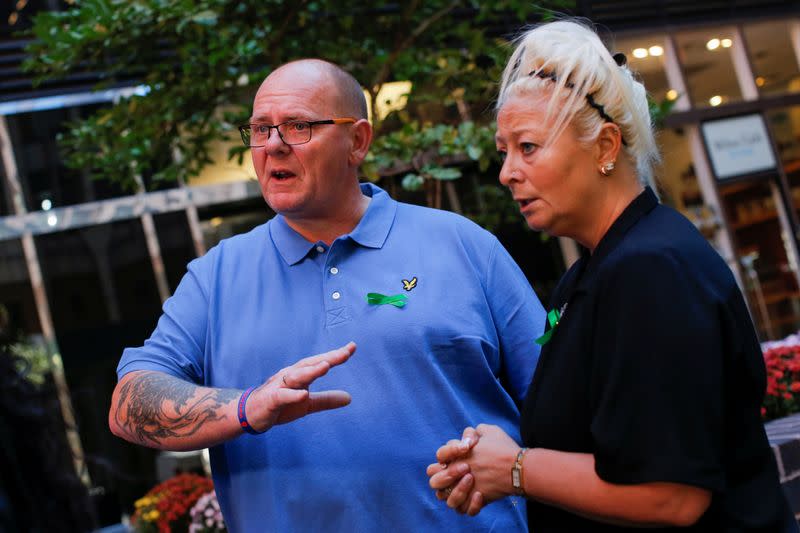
(474, 471)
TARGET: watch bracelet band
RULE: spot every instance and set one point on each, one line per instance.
(517, 480)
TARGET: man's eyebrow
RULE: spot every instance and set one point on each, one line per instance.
(262, 118)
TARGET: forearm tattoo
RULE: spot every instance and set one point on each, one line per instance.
(154, 407)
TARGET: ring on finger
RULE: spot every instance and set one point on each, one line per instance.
(448, 491)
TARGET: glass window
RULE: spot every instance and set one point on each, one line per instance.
(705, 56)
(5, 202)
(785, 127)
(99, 276)
(103, 297)
(175, 240)
(646, 58)
(772, 56)
(676, 179)
(221, 169)
(770, 277)
(226, 220)
(45, 180)
(18, 315)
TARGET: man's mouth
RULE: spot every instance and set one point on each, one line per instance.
(281, 174)
(523, 202)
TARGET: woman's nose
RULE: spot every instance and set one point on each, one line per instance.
(507, 175)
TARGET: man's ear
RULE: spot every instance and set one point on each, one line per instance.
(609, 143)
(362, 138)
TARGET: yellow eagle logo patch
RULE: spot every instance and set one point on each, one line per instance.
(410, 284)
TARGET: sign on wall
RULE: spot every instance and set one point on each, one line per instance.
(738, 146)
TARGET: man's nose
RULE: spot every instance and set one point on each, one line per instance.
(275, 144)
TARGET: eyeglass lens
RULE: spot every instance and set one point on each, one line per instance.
(291, 132)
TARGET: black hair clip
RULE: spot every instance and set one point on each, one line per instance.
(544, 75)
(519, 58)
(620, 59)
(589, 98)
(550, 76)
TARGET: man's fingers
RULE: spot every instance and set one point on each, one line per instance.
(333, 357)
(302, 377)
(475, 503)
(460, 492)
(325, 400)
(285, 397)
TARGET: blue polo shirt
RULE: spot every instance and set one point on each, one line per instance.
(460, 352)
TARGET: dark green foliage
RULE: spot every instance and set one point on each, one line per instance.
(202, 60)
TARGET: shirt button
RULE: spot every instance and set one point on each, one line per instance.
(336, 295)
(320, 249)
(334, 270)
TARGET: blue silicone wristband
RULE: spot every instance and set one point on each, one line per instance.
(242, 416)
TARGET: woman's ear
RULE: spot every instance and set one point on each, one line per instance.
(607, 147)
(362, 137)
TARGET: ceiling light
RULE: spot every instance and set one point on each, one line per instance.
(216, 221)
(713, 44)
(715, 100)
(656, 50)
(672, 94)
(640, 53)
(760, 81)
(47, 204)
(52, 220)
(726, 43)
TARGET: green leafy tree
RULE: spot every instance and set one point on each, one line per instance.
(200, 62)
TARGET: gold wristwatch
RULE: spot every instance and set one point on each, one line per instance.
(516, 473)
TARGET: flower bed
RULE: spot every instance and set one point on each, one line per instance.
(165, 508)
(206, 515)
(783, 381)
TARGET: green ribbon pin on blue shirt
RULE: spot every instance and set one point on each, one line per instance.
(553, 316)
(376, 298)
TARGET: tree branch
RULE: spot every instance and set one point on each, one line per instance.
(380, 78)
(278, 36)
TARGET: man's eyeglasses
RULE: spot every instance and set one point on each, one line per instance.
(291, 132)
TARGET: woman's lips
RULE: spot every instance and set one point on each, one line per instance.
(524, 202)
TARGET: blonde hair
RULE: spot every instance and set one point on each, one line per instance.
(587, 88)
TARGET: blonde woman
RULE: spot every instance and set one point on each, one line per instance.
(644, 410)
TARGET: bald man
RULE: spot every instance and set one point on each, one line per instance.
(444, 320)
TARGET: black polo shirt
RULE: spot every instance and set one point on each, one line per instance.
(655, 369)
